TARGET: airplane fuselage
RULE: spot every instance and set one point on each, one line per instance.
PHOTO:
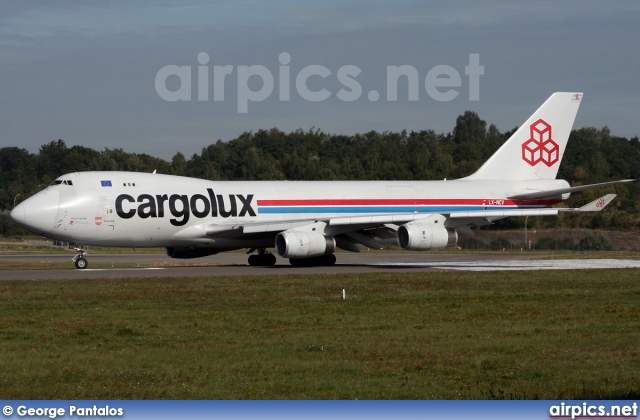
(148, 210)
(306, 221)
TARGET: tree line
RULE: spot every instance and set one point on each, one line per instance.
(592, 155)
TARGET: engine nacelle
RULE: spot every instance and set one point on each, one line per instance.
(416, 236)
(185, 252)
(299, 244)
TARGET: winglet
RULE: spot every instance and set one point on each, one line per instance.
(598, 204)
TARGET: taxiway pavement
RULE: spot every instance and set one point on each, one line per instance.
(235, 264)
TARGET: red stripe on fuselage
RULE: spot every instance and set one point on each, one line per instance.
(406, 202)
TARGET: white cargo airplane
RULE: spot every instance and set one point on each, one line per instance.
(307, 221)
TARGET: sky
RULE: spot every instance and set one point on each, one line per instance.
(147, 76)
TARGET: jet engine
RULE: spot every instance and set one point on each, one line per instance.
(417, 236)
(185, 252)
(299, 244)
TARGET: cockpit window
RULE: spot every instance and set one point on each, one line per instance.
(61, 182)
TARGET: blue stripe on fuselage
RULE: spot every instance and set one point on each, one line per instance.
(379, 209)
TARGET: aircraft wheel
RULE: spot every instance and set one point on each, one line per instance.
(270, 260)
(297, 262)
(329, 259)
(81, 263)
(262, 260)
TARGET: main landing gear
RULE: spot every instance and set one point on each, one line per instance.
(328, 259)
(267, 259)
(263, 259)
(80, 260)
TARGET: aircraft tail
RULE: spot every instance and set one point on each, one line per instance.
(535, 150)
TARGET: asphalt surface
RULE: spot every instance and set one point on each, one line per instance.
(235, 264)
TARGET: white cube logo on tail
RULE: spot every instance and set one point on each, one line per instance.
(540, 147)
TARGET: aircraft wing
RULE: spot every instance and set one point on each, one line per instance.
(350, 224)
(553, 193)
(239, 229)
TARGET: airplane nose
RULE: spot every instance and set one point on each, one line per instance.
(37, 213)
(17, 214)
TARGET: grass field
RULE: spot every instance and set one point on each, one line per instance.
(450, 335)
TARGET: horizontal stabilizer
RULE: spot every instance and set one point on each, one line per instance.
(598, 204)
(553, 193)
(595, 205)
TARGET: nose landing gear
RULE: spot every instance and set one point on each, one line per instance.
(80, 260)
